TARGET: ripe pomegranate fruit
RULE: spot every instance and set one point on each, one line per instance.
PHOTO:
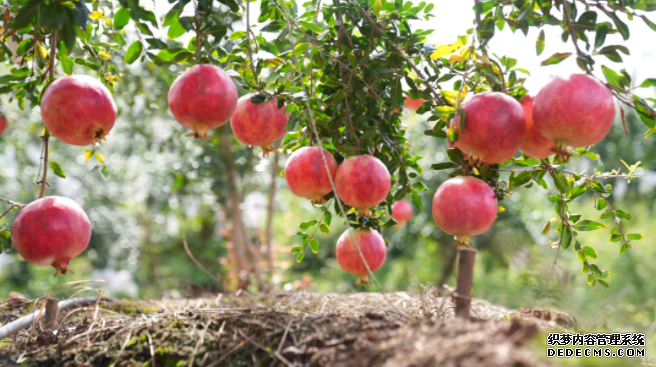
(259, 123)
(362, 182)
(306, 176)
(575, 111)
(78, 110)
(464, 206)
(413, 104)
(203, 98)
(402, 211)
(495, 125)
(373, 249)
(535, 145)
(51, 231)
(3, 124)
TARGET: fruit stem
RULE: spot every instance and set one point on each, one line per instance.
(44, 182)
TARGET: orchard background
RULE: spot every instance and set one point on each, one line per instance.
(158, 198)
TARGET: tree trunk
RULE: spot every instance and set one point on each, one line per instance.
(270, 209)
(241, 239)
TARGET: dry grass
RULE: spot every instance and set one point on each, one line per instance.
(282, 328)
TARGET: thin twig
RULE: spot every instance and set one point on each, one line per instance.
(53, 52)
(572, 31)
(44, 179)
(398, 49)
(503, 79)
(193, 258)
(199, 343)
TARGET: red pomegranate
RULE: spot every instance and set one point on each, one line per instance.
(203, 98)
(259, 123)
(51, 231)
(362, 182)
(535, 145)
(413, 104)
(402, 211)
(495, 126)
(78, 110)
(577, 111)
(306, 176)
(373, 249)
(3, 124)
(464, 206)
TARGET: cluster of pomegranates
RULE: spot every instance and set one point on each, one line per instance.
(204, 98)
(568, 112)
(79, 110)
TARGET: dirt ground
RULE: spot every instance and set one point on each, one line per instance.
(282, 329)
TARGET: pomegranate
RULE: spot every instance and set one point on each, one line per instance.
(362, 182)
(535, 145)
(464, 206)
(51, 231)
(306, 176)
(203, 98)
(495, 125)
(259, 123)
(78, 110)
(373, 250)
(3, 124)
(402, 211)
(577, 111)
(413, 104)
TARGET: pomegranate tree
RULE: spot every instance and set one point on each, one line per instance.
(575, 111)
(78, 110)
(203, 98)
(306, 176)
(495, 125)
(259, 123)
(535, 145)
(372, 246)
(464, 206)
(402, 211)
(362, 182)
(3, 124)
(51, 231)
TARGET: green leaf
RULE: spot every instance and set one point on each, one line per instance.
(314, 245)
(56, 169)
(133, 52)
(443, 165)
(588, 225)
(622, 214)
(539, 44)
(589, 252)
(565, 237)
(300, 257)
(324, 228)
(121, 18)
(591, 279)
(634, 236)
(560, 181)
(581, 257)
(601, 204)
(66, 63)
(377, 7)
(615, 237)
(621, 26)
(603, 283)
(296, 249)
(416, 200)
(24, 46)
(556, 58)
(651, 82)
(602, 31)
(308, 224)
